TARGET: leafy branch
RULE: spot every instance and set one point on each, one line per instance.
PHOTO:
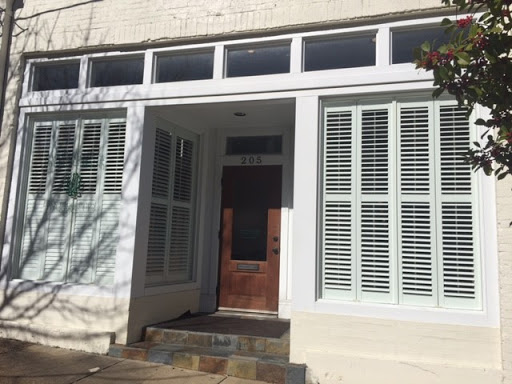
(476, 67)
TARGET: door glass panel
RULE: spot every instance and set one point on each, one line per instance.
(250, 205)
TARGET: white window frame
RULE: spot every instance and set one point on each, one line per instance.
(482, 251)
(25, 156)
(152, 282)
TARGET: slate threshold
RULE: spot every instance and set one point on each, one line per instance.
(247, 357)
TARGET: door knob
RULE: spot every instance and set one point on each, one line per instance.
(275, 238)
(275, 251)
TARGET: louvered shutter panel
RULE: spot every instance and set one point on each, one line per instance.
(60, 204)
(338, 266)
(179, 266)
(110, 201)
(33, 243)
(456, 223)
(159, 213)
(376, 266)
(85, 215)
(416, 232)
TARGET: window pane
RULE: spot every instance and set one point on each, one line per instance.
(254, 145)
(117, 72)
(349, 52)
(56, 76)
(252, 61)
(193, 66)
(404, 42)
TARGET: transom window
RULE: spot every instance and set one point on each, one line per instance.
(117, 71)
(398, 211)
(258, 60)
(339, 52)
(311, 51)
(403, 42)
(252, 145)
(51, 76)
(184, 66)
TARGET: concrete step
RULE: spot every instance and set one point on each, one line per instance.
(223, 360)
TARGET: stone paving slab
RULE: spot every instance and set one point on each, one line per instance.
(25, 363)
(230, 325)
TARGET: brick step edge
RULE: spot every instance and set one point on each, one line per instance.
(217, 340)
(244, 367)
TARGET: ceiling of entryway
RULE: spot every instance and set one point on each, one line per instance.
(261, 113)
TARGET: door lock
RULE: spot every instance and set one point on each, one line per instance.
(275, 251)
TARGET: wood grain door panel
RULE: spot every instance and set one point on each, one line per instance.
(250, 237)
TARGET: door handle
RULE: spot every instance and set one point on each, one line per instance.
(275, 251)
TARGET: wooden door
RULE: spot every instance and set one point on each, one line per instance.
(250, 238)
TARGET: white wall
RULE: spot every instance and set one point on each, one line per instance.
(52, 317)
(357, 350)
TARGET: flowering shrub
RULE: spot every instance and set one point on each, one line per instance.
(476, 68)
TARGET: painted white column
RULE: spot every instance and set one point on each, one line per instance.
(383, 46)
(126, 284)
(296, 55)
(208, 254)
(304, 245)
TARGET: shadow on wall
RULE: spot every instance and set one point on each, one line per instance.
(66, 231)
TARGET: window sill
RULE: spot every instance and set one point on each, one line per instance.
(170, 288)
(468, 317)
(25, 286)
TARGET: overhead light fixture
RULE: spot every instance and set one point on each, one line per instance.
(240, 114)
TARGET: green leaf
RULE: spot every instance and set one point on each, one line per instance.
(437, 92)
(476, 144)
(425, 46)
(446, 22)
(463, 58)
(480, 122)
(502, 175)
(444, 74)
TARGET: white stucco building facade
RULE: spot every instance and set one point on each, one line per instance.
(139, 139)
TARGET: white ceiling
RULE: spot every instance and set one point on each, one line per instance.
(261, 113)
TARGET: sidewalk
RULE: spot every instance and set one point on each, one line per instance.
(25, 363)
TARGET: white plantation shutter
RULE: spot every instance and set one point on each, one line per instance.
(59, 204)
(396, 170)
(417, 205)
(84, 219)
(65, 247)
(159, 214)
(338, 247)
(170, 243)
(33, 242)
(375, 247)
(110, 201)
(456, 223)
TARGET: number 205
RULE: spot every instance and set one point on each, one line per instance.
(249, 160)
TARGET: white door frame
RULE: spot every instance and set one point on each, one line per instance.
(286, 161)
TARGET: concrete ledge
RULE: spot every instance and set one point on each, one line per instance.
(69, 338)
